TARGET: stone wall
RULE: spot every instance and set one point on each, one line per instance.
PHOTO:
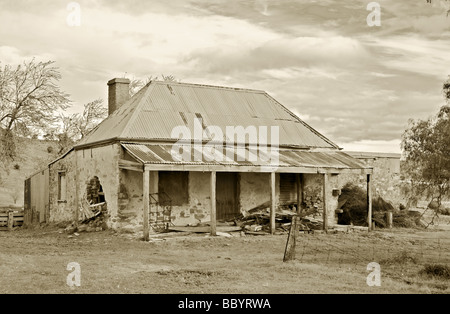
(129, 212)
(196, 210)
(386, 178)
(62, 210)
(255, 189)
(124, 194)
(100, 162)
(199, 206)
(123, 188)
(313, 194)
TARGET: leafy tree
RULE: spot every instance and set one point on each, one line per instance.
(426, 146)
(446, 89)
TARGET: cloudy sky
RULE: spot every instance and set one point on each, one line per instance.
(356, 84)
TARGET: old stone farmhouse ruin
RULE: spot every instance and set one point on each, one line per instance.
(127, 164)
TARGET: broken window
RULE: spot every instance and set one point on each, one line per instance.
(62, 186)
(175, 185)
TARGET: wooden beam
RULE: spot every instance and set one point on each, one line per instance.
(259, 169)
(10, 220)
(77, 189)
(130, 168)
(213, 204)
(369, 202)
(146, 200)
(289, 251)
(389, 219)
(131, 165)
(325, 201)
(299, 178)
(272, 202)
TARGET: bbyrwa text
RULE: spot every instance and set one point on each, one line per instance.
(225, 304)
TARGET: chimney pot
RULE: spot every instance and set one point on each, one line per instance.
(118, 93)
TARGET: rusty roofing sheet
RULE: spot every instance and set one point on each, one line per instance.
(162, 154)
(161, 106)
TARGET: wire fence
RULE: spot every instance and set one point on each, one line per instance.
(398, 254)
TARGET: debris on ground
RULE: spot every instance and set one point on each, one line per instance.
(93, 219)
(258, 221)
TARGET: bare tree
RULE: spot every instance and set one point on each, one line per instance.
(92, 115)
(15, 194)
(444, 4)
(63, 134)
(72, 128)
(137, 84)
(29, 100)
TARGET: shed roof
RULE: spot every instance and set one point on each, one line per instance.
(373, 155)
(159, 107)
(287, 160)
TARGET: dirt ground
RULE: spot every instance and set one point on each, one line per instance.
(35, 261)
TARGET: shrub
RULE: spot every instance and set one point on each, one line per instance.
(17, 166)
(353, 200)
(436, 270)
(403, 258)
(49, 149)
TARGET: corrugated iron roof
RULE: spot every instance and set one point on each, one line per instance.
(162, 154)
(373, 155)
(159, 107)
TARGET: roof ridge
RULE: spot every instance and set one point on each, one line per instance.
(208, 86)
(149, 88)
(303, 122)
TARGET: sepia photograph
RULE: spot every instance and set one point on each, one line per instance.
(225, 155)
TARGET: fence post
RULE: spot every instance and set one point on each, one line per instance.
(289, 252)
(369, 202)
(10, 220)
(389, 219)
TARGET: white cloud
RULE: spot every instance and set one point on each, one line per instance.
(392, 146)
(414, 54)
(280, 53)
(357, 85)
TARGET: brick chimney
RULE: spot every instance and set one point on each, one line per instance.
(118, 93)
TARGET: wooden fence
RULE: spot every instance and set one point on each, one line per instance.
(10, 220)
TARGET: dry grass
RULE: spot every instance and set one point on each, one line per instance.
(32, 155)
(35, 261)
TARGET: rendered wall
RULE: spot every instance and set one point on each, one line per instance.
(386, 179)
(62, 210)
(101, 162)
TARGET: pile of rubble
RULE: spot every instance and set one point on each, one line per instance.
(257, 220)
(92, 222)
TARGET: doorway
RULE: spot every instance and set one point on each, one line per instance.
(227, 204)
